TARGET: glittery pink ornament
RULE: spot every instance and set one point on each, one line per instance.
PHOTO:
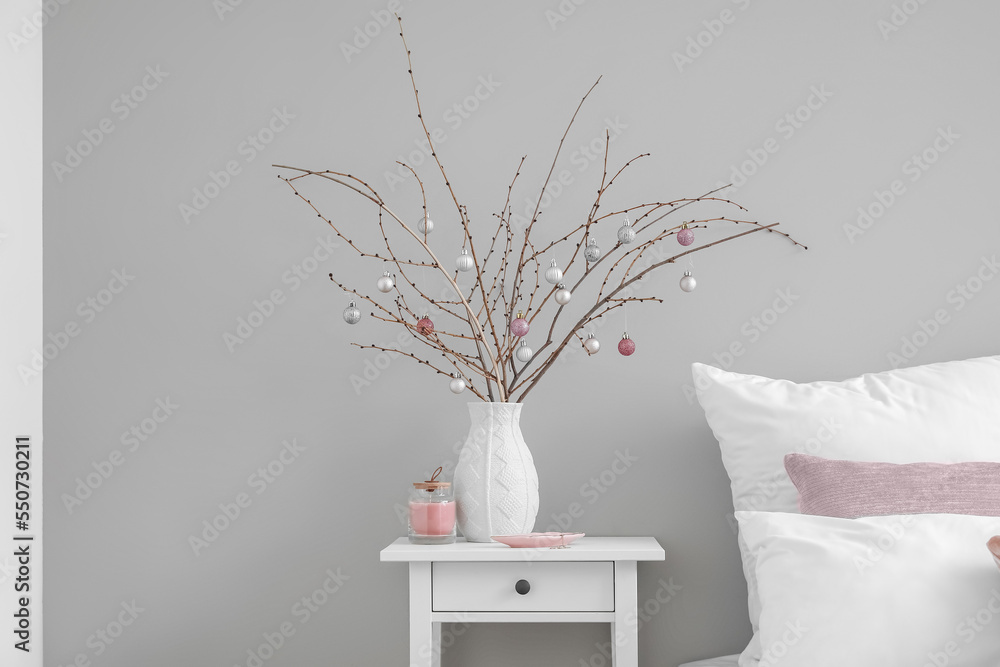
(425, 325)
(685, 236)
(519, 326)
(626, 346)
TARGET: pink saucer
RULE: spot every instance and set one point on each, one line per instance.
(538, 540)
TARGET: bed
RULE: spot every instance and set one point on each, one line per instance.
(864, 509)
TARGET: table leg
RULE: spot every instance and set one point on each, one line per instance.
(423, 647)
(625, 629)
(436, 645)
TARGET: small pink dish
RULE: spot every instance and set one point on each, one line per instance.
(539, 540)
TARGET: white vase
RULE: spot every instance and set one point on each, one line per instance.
(496, 486)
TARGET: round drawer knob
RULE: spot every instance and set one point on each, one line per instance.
(522, 587)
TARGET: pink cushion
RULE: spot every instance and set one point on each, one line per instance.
(852, 489)
(994, 545)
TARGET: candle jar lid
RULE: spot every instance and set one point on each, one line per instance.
(433, 484)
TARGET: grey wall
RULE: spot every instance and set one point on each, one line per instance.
(888, 95)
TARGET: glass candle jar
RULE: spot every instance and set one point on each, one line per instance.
(432, 512)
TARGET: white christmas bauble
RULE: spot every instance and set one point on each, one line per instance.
(563, 295)
(464, 261)
(592, 344)
(553, 274)
(385, 283)
(425, 225)
(625, 233)
(524, 353)
(351, 314)
(688, 283)
(592, 253)
(457, 385)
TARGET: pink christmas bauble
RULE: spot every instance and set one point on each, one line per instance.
(425, 325)
(519, 327)
(685, 236)
(626, 346)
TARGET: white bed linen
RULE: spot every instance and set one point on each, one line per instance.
(724, 661)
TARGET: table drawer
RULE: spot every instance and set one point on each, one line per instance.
(551, 586)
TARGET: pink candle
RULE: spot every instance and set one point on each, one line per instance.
(432, 518)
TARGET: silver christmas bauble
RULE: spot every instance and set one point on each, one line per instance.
(688, 283)
(457, 385)
(563, 295)
(351, 314)
(592, 253)
(553, 274)
(425, 225)
(592, 345)
(625, 233)
(524, 353)
(385, 283)
(464, 262)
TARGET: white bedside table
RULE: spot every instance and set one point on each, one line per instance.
(591, 581)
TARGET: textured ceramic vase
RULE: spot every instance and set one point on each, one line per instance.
(496, 486)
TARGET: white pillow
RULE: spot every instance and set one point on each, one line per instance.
(913, 590)
(946, 413)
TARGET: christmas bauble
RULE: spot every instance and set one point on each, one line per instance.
(425, 225)
(524, 353)
(553, 274)
(519, 326)
(685, 236)
(625, 233)
(425, 325)
(464, 261)
(457, 385)
(626, 346)
(593, 252)
(562, 295)
(385, 283)
(688, 283)
(351, 314)
(592, 345)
